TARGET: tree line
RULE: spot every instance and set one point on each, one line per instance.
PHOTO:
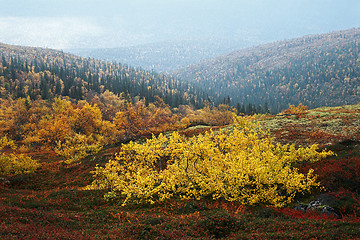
(45, 74)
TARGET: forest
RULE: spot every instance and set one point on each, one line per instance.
(319, 70)
(45, 73)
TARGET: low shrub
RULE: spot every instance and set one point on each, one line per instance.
(335, 174)
(243, 165)
(13, 164)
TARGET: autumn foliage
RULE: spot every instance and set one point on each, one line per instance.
(297, 111)
(243, 165)
(11, 163)
(76, 129)
(52, 202)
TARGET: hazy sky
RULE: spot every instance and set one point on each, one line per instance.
(65, 24)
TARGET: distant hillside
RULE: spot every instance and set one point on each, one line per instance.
(45, 73)
(318, 70)
(165, 56)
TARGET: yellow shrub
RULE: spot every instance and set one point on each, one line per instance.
(7, 143)
(77, 147)
(15, 164)
(243, 165)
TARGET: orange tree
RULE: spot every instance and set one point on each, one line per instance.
(137, 119)
(73, 130)
(298, 111)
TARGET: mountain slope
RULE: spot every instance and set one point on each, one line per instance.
(165, 56)
(45, 73)
(318, 70)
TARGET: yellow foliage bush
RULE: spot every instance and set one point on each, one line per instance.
(243, 165)
(77, 147)
(7, 143)
(15, 164)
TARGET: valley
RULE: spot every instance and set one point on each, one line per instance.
(261, 143)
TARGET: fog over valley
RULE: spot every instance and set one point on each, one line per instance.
(108, 24)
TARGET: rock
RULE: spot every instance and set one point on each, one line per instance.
(321, 204)
(301, 207)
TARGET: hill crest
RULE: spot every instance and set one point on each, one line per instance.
(286, 72)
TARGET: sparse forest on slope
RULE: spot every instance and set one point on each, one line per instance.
(165, 56)
(43, 73)
(319, 70)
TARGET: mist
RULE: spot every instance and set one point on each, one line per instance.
(99, 24)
